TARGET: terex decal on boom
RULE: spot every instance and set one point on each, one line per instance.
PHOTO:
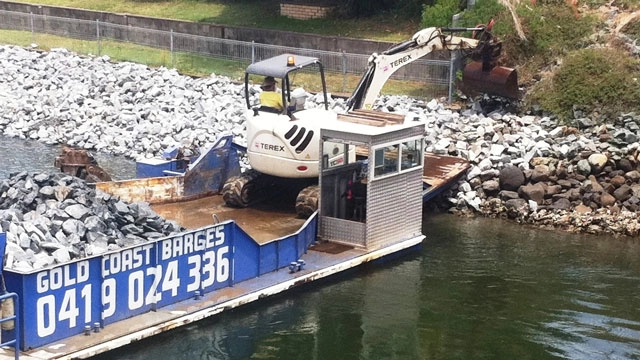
(401, 61)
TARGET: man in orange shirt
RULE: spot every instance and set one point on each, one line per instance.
(269, 97)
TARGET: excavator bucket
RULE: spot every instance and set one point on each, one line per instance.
(497, 80)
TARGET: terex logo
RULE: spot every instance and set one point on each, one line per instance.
(400, 61)
(269, 147)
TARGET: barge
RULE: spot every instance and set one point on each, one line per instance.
(227, 257)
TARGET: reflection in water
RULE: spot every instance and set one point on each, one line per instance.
(478, 289)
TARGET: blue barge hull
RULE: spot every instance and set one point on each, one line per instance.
(163, 287)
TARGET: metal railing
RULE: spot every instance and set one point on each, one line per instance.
(16, 324)
(437, 75)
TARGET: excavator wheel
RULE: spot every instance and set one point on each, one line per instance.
(237, 191)
(307, 201)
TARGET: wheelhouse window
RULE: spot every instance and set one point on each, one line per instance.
(397, 158)
(386, 161)
(411, 154)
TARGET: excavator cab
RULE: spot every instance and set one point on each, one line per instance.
(279, 67)
(283, 142)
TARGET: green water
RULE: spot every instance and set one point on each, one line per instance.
(478, 289)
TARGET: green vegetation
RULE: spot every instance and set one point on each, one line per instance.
(256, 13)
(551, 31)
(440, 13)
(602, 80)
(484, 11)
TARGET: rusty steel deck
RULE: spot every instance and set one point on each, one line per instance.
(262, 222)
(439, 172)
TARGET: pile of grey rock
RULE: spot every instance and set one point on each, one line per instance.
(54, 218)
(129, 109)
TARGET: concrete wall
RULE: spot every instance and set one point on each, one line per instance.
(265, 36)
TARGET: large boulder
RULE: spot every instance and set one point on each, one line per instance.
(491, 187)
(583, 167)
(606, 200)
(597, 162)
(511, 178)
(540, 173)
(623, 193)
(516, 208)
(535, 192)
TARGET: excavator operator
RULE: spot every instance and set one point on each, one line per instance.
(270, 99)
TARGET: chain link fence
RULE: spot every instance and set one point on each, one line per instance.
(436, 75)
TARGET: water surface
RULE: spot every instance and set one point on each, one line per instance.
(478, 289)
(34, 156)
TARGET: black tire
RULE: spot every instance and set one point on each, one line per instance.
(237, 191)
(307, 201)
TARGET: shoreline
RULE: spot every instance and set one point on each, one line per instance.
(527, 168)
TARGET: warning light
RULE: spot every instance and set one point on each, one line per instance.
(291, 61)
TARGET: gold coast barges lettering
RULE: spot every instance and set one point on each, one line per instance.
(131, 279)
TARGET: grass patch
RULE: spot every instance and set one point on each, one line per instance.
(552, 31)
(259, 14)
(632, 29)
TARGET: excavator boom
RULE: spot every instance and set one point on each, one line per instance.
(490, 78)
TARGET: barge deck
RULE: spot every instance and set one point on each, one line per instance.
(264, 222)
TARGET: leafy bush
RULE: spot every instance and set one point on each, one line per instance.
(605, 80)
(364, 8)
(481, 13)
(440, 14)
(409, 8)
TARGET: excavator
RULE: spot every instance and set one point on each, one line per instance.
(282, 144)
